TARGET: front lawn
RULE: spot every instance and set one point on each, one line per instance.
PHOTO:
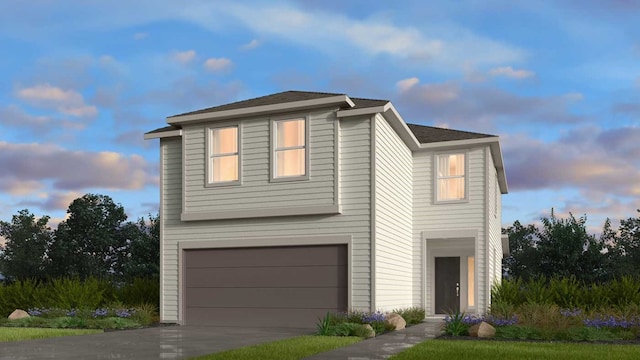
(293, 349)
(17, 334)
(479, 350)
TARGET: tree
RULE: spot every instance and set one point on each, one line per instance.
(24, 253)
(523, 258)
(142, 256)
(88, 242)
(624, 246)
(562, 247)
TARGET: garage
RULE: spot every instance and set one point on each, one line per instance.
(284, 286)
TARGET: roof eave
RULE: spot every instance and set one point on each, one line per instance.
(163, 134)
(259, 110)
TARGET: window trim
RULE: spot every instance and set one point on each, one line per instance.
(208, 153)
(436, 158)
(272, 149)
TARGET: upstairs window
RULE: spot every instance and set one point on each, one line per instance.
(451, 182)
(223, 155)
(290, 149)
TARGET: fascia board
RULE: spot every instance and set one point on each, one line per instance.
(164, 134)
(257, 110)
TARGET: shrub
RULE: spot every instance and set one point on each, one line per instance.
(69, 293)
(323, 326)
(413, 315)
(455, 325)
(140, 291)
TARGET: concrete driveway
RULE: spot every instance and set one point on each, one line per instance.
(165, 342)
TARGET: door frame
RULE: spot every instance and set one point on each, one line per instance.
(451, 243)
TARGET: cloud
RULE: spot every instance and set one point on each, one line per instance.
(68, 102)
(509, 72)
(190, 93)
(482, 107)
(251, 45)
(73, 170)
(406, 84)
(183, 57)
(217, 64)
(16, 118)
(18, 187)
(596, 161)
(140, 36)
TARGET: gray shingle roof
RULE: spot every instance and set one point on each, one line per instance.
(424, 134)
(278, 98)
(429, 134)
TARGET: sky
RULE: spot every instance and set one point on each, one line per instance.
(558, 81)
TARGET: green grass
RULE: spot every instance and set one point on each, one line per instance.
(289, 349)
(17, 334)
(479, 350)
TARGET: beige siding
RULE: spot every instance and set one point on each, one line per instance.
(355, 220)
(393, 219)
(428, 216)
(257, 191)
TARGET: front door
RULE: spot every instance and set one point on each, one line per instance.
(447, 285)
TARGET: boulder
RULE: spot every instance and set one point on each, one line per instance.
(395, 322)
(482, 330)
(18, 314)
(370, 332)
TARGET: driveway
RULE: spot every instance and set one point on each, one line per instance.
(164, 342)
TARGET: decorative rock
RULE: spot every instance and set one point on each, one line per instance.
(482, 330)
(395, 321)
(371, 333)
(18, 314)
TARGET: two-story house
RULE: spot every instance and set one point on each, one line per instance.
(277, 209)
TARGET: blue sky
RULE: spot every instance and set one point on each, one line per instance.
(558, 81)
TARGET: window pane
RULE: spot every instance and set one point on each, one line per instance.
(451, 165)
(471, 286)
(225, 168)
(289, 133)
(225, 141)
(290, 162)
(451, 189)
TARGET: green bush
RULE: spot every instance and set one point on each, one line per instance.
(568, 293)
(413, 315)
(72, 293)
(454, 324)
(140, 291)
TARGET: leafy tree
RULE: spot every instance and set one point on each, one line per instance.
(523, 257)
(562, 247)
(88, 242)
(624, 246)
(24, 253)
(142, 255)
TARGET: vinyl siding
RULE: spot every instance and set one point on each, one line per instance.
(355, 220)
(495, 220)
(393, 219)
(428, 216)
(256, 190)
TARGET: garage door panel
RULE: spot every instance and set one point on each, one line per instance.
(267, 297)
(268, 318)
(299, 276)
(264, 286)
(268, 256)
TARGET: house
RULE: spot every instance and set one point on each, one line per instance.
(277, 209)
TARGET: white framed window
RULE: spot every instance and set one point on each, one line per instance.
(223, 150)
(451, 177)
(290, 155)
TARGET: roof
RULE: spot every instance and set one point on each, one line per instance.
(280, 98)
(424, 134)
(429, 134)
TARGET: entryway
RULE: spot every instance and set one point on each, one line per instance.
(447, 272)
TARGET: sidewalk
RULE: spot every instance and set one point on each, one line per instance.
(383, 346)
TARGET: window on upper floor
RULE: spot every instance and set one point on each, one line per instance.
(290, 153)
(451, 179)
(223, 155)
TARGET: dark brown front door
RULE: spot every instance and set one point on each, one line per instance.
(447, 285)
(288, 286)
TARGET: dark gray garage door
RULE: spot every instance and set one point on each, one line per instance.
(265, 286)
